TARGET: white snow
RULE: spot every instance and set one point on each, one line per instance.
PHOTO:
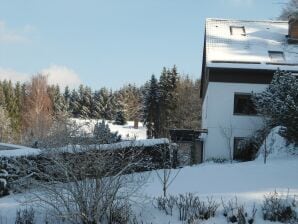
(10, 150)
(127, 131)
(277, 146)
(118, 145)
(249, 181)
(249, 50)
(135, 143)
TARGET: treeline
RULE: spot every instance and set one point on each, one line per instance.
(28, 110)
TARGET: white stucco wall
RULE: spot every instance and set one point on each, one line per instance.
(218, 118)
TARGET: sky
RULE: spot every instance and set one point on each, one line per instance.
(111, 42)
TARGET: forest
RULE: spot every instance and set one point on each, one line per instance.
(28, 111)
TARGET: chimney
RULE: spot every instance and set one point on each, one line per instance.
(293, 28)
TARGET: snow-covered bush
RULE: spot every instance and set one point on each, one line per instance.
(281, 208)
(25, 216)
(236, 213)
(120, 118)
(103, 135)
(279, 104)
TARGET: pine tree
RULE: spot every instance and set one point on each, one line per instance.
(74, 105)
(85, 101)
(2, 96)
(103, 134)
(150, 107)
(129, 100)
(106, 104)
(279, 104)
(167, 98)
(59, 105)
(120, 118)
(67, 96)
(188, 111)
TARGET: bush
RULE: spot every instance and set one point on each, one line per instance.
(189, 206)
(25, 216)
(277, 207)
(236, 213)
(119, 212)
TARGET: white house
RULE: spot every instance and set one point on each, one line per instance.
(240, 57)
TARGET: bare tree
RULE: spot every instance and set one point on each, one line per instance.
(87, 185)
(37, 116)
(167, 174)
(289, 8)
(5, 126)
(227, 133)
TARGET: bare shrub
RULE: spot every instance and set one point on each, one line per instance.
(236, 213)
(278, 207)
(89, 186)
(189, 207)
(25, 216)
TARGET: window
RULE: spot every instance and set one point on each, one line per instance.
(239, 148)
(243, 104)
(244, 150)
(237, 30)
(276, 56)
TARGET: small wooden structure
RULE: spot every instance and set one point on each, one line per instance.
(190, 145)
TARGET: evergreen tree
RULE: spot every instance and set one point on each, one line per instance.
(167, 98)
(67, 96)
(279, 104)
(150, 107)
(96, 112)
(74, 105)
(103, 134)
(85, 101)
(2, 96)
(120, 118)
(59, 105)
(129, 100)
(188, 111)
(107, 104)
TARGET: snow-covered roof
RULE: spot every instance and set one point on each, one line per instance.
(246, 44)
(10, 150)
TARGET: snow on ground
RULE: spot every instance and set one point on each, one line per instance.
(276, 146)
(127, 131)
(10, 150)
(249, 181)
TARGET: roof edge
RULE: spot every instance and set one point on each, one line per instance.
(243, 20)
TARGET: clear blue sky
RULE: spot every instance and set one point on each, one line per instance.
(112, 42)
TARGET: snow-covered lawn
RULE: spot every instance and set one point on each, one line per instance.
(127, 131)
(248, 181)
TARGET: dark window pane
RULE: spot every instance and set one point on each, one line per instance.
(244, 105)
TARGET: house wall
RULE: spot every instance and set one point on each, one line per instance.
(219, 120)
